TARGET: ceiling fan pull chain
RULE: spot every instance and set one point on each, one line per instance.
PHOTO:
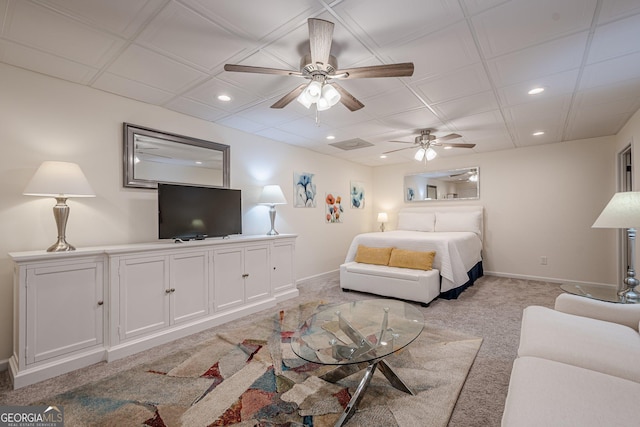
(317, 118)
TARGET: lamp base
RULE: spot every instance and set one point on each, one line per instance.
(272, 232)
(61, 246)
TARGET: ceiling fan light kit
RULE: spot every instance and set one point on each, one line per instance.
(321, 68)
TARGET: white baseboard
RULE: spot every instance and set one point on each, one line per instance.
(317, 276)
(543, 279)
(4, 365)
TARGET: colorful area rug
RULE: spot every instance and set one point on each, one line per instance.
(250, 377)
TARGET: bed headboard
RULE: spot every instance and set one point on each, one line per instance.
(442, 218)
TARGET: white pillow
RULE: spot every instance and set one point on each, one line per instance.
(414, 221)
(459, 221)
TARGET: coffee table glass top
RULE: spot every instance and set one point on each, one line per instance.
(359, 331)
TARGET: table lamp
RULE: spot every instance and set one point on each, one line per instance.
(382, 218)
(60, 180)
(272, 195)
(623, 211)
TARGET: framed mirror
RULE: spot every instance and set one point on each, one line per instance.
(152, 156)
(453, 184)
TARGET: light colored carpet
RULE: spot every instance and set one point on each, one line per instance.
(491, 309)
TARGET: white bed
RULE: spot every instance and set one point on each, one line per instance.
(454, 233)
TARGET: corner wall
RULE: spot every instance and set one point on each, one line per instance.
(49, 119)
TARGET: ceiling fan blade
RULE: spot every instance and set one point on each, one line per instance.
(260, 70)
(457, 145)
(405, 142)
(399, 149)
(347, 99)
(320, 37)
(448, 137)
(285, 100)
(404, 69)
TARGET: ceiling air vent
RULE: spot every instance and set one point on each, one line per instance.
(352, 144)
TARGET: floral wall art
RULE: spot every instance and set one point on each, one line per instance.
(333, 208)
(357, 195)
(304, 190)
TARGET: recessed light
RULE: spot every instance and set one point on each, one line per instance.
(384, 156)
(448, 147)
(224, 98)
(538, 133)
(198, 162)
(536, 90)
(331, 137)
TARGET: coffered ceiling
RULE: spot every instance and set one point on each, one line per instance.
(475, 61)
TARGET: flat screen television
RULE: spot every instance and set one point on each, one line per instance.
(189, 212)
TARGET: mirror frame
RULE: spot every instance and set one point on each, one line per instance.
(444, 171)
(131, 130)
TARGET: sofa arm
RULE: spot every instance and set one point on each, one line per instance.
(624, 314)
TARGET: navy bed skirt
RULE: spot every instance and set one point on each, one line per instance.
(474, 274)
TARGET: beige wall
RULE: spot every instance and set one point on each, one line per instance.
(49, 119)
(538, 201)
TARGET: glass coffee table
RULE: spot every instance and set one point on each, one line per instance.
(358, 335)
(599, 292)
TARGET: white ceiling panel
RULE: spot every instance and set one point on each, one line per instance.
(467, 106)
(612, 72)
(43, 29)
(440, 52)
(474, 61)
(553, 85)
(610, 41)
(208, 92)
(180, 32)
(266, 17)
(456, 84)
(388, 22)
(542, 60)
(45, 63)
(144, 66)
(523, 23)
(195, 109)
(122, 17)
(131, 89)
(616, 9)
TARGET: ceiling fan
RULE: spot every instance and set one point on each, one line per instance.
(426, 141)
(321, 68)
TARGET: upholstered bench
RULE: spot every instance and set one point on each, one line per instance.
(422, 286)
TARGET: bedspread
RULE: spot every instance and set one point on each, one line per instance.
(456, 251)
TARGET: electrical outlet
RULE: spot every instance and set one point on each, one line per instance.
(543, 260)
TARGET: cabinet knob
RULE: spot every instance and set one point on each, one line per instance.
(245, 275)
(173, 290)
(167, 291)
(100, 302)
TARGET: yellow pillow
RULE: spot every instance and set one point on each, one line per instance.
(411, 259)
(367, 255)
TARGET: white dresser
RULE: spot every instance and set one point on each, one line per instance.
(73, 309)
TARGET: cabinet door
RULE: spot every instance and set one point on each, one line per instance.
(282, 274)
(64, 309)
(189, 286)
(144, 295)
(257, 279)
(228, 266)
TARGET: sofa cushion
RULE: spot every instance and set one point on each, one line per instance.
(418, 260)
(369, 255)
(547, 393)
(384, 271)
(602, 346)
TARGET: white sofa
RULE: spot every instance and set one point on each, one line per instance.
(577, 365)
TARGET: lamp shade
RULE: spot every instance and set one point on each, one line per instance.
(622, 211)
(272, 195)
(59, 179)
(382, 217)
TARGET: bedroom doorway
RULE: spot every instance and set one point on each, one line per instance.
(625, 183)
